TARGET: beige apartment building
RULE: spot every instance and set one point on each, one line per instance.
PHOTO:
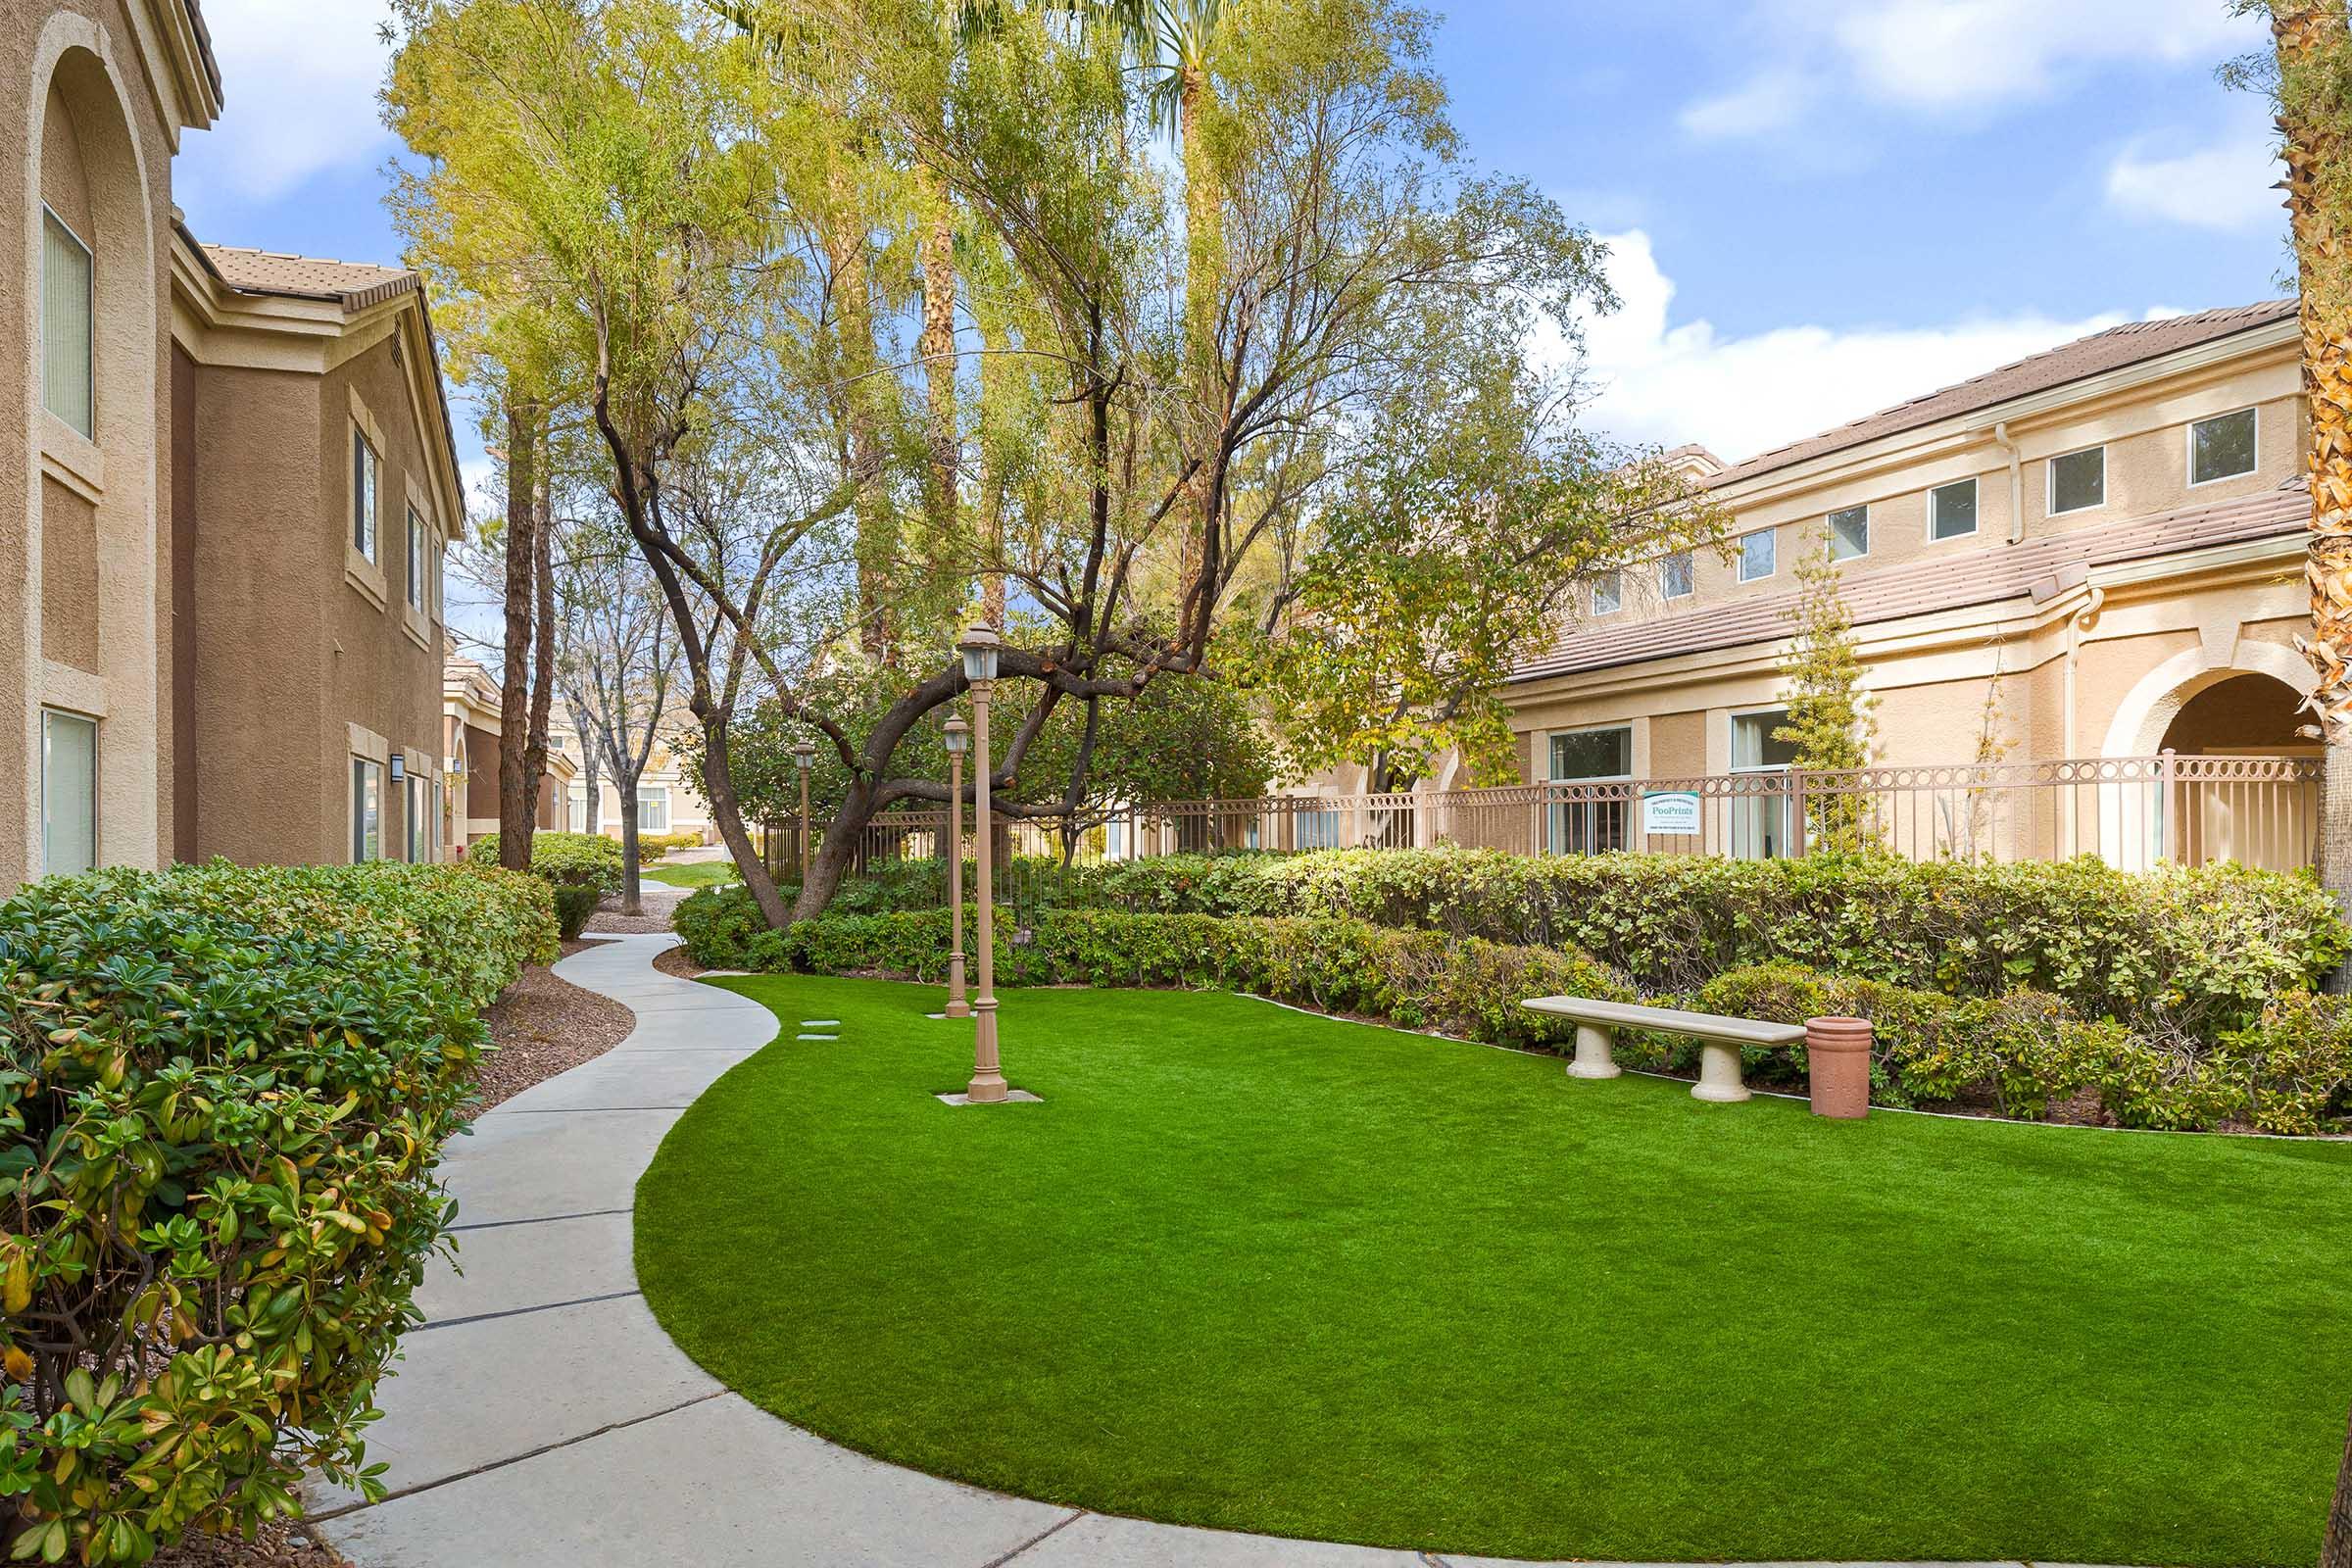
(234, 478)
(669, 800)
(473, 740)
(2092, 554)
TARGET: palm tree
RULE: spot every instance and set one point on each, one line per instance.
(2310, 80)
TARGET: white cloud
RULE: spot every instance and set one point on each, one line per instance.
(2225, 186)
(1660, 382)
(301, 79)
(1960, 57)
(1768, 103)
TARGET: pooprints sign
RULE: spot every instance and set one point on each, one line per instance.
(1670, 813)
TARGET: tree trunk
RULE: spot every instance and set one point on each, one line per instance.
(515, 803)
(2307, 36)
(718, 785)
(543, 665)
(632, 876)
(937, 346)
(847, 249)
(2335, 1547)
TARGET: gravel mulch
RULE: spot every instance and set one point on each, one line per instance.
(608, 918)
(544, 1026)
(674, 960)
(279, 1545)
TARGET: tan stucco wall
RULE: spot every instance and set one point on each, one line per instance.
(114, 166)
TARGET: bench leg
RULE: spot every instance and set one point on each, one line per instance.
(1718, 1074)
(1593, 1058)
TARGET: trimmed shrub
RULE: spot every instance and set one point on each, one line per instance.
(2173, 954)
(1417, 978)
(651, 847)
(588, 857)
(575, 904)
(222, 1092)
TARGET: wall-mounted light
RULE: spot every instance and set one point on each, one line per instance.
(400, 766)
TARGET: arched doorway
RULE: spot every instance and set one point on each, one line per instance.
(2259, 821)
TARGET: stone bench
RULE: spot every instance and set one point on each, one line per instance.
(1719, 1038)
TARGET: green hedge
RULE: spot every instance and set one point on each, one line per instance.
(588, 857)
(2173, 953)
(1421, 979)
(2024, 1055)
(651, 847)
(222, 1094)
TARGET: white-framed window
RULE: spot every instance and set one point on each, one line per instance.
(440, 561)
(1674, 575)
(68, 312)
(1952, 510)
(69, 793)
(366, 810)
(1758, 554)
(1608, 593)
(418, 809)
(1589, 757)
(653, 808)
(2079, 481)
(417, 550)
(366, 477)
(2224, 447)
(1760, 821)
(575, 811)
(1849, 533)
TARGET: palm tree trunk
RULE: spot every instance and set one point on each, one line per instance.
(937, 346)
(2309, 37)
(517, 806)
(1205, 250)
(847, 250)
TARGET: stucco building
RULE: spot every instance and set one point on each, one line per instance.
(235, 477)
(474, 741)
(669, 799)
(2095, 553)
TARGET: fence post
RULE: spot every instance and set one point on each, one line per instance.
(1797, 846)
(2167, 770)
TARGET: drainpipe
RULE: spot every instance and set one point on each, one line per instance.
(2075, 624)
(2017, 481)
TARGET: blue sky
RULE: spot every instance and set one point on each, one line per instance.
(1816, 207)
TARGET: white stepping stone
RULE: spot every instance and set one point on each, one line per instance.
(816, 1036)
(821, 1023)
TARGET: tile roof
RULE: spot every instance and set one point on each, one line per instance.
(2094, 354)
(204, 47)
(1986, 574)
(354, 285)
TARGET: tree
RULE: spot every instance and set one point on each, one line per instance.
(1829, 723)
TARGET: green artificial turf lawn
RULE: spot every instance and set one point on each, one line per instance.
(691, 875)
(1254, 1269)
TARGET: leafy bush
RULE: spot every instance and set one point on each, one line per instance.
(588, 857)
(651, 847)
(575, 903)
(2175, 954)
(1418, 978)
(221, 1091)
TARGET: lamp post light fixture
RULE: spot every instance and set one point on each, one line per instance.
(804, 754)
(979, 649)
(959, 738)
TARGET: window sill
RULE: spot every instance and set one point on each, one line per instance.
(413, 624)
(72, 459)
(364, 575)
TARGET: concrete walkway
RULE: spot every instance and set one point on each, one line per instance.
(541, 1416)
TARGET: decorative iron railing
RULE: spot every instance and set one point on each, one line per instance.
(2132, 811)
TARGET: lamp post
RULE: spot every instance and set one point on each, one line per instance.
(959, 737)
(979, 650)
(804, 754)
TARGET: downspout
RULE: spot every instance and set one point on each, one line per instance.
(2017, 481)
(2075, 624)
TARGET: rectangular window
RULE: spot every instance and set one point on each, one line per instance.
(417, 806)
(1674, 575)
(415, 561)
(1952, 510)
(364, 472)
(69, 793)
(1849, 533)
(367, 810)
(68, 279)
(2079, 481)
(1589, 826)
(653, 809)
(2221, 447)
(1756, 555)
(1608, 594)
(577, 814)
(440, 558)
(1760, 814)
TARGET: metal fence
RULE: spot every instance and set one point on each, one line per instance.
(2132, 811)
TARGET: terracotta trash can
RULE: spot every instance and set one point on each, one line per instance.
(1839, 1052)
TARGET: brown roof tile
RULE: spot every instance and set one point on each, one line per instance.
(354, 285)
(204, 47)
(1983, 575)
(2094, 354)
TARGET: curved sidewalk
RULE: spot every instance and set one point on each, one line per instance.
(541, 1417)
